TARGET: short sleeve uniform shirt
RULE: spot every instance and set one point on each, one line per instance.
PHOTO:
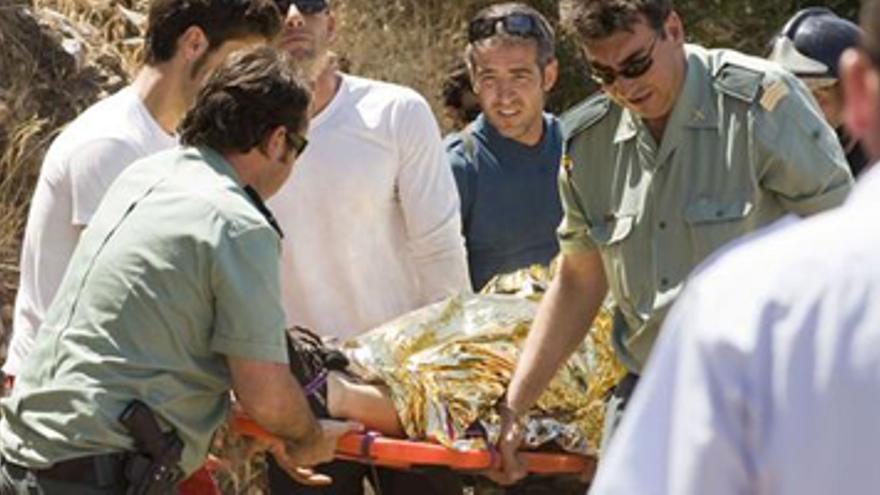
(177, 270)
(744, 145)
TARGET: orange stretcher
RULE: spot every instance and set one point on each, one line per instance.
(406, 454)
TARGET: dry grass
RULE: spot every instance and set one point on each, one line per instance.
(410, 42)
(15, 185)
(60, 56)
(72, 52)
(53, 66)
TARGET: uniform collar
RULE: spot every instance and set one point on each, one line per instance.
(220, 165)
(628, 127)
(695, 108)
(216, 161)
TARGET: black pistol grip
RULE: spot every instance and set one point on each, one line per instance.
(140, 422)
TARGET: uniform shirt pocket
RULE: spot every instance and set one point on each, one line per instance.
(714, 223)
(609, 236)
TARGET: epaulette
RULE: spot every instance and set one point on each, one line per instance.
(584, 115)
(739, 81)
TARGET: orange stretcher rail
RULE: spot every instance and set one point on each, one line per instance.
(404, 454)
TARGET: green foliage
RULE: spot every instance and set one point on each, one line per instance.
(745, 25)
(748, 25)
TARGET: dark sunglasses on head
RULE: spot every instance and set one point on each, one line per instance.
(306, 7)
(297, 142)
(632, 70)
(522, 25)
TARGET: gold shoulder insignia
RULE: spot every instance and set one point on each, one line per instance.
(773, 94)
(566, 163)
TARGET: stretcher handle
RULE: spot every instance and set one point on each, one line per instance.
(404, 454)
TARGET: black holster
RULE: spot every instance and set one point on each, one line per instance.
(153, 469)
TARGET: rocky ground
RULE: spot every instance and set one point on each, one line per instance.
(55, 62)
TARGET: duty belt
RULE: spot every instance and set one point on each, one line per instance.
(100, 471)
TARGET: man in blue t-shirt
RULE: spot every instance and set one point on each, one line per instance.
(506, 161)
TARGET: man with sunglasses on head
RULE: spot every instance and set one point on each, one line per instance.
(682, 151)
(506, 162)
(810, 46)
(172, 300)
(372, 211)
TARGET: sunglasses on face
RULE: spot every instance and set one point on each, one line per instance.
(522, 25)
(634, 69)
(297, 142)
(306, 7)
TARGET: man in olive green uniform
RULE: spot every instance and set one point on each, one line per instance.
(172, 299)
(684, 150)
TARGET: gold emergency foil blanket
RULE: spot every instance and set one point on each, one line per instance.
(446, 365)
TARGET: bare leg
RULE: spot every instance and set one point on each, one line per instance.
(370, 405)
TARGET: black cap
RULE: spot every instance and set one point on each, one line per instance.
(812, 41)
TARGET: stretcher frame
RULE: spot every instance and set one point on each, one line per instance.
(374, 449)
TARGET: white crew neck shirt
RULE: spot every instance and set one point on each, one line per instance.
(370, 213)
(78, 168)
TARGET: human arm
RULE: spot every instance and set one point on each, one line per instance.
(563, 319)
(560, 326)
(429, 203)
(800, 158)
(268, 394)
(249, 332)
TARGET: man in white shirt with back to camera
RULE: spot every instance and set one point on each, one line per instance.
(766, 376)
(185, 41)
(371, 212)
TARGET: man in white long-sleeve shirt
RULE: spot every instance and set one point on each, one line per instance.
(766, 376)
(371, 214)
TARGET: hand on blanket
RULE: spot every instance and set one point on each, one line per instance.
(298, 458)
(509, 467)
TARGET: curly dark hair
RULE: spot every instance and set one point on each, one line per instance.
(250, 94)
(598, 19)
(221, 20)
(458, 93)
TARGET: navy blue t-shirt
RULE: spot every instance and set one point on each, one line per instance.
(510, 204)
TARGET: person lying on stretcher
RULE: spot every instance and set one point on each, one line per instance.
(437, 373)
(333, 392)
